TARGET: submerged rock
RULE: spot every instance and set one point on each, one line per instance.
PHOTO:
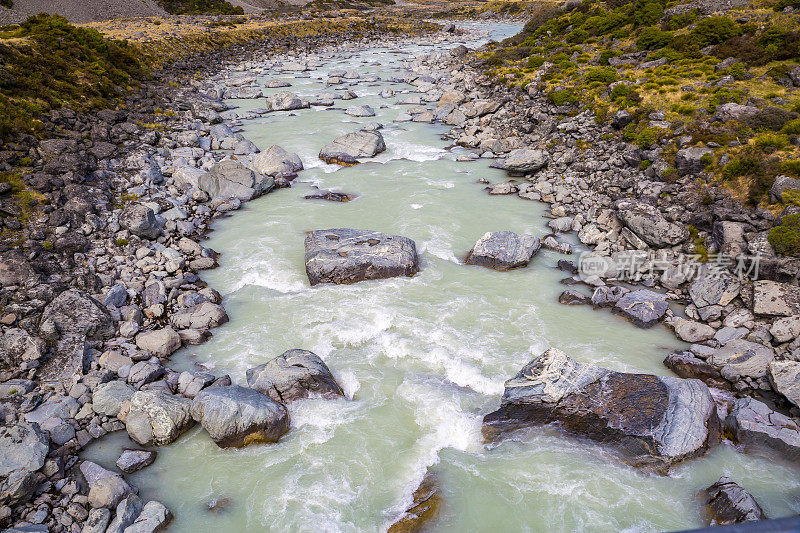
(727, 503)
(503, 250)
(427, 501)
(344, 256)
(331, 196)
(347, 149)
(651, 421)
(293, 375)
(236, 416)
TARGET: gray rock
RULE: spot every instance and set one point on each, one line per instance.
(127, 511)
(141, 221)
(25, 448)
(651, 421)
(503, 250)
(145, 372)
(360, 111)
(740, 358)
(688, 365)
(775, 299)
(607, 295)
(18, 348)
(106, 488)
(133, 460)
(785, 329)
(275, 160)
(293, 375)
(117, 296)
(691, 160)
(347, 149)
(107, 398)
(691, 331)
(97, 522)
(285, 101)
(785, 378)
(726, 503)
(153, 518)
(236, 416)
(643, 308)
(524, 160)
(737, 112)
(231, 179)
(344, 256)
(205, 315)
(157, 417)
(160, 342)
(762, 431)
(14, 269)
(711, 289)
(649, 224)
(780, 184)
(573, 297)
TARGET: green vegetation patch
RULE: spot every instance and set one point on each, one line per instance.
(786, 237)
(200, 7)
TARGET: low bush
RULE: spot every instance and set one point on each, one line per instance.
(653, 38)
(562, 97)
(785, 239)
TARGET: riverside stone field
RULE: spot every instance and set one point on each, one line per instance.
(400, 267)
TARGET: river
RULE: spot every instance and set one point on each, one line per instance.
(421, 359)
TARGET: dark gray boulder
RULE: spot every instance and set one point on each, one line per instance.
(293, 375)
(344, 256)
(651, 421)
(347, 149)
(608, 296)
(692, 160)
(131, 461)
(237, 416)
(573, 297)
(762, 431)
(503, 250)
(643, 308)
(14, 269)
(726, 503)
(141, 221)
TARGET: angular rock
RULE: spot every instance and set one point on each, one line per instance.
(649, 224)
(25, 448)
(347, 149)
(157, 418)
(711, 289)
(688, 365)
(133, 460)
(608, 296)
(726, 503)
(236, 416)
(18, 348)
(344, 256)
(97, 522)
(573, 297)
(275, 160)
(360, 111)
(775, 299)
(425, 506)
(141, 221)
(740, 358)
(691, 331)
(205, 315)
(524, 160)
(503, 250)
(643, 308)
(232, 179)
(762, 431)
(106, 488)
(127, 511)
(785, 378)
(293, 375)
(14, 269)
(107, 398)
(650, 421)
(285, 101)
(692, 160)
(160, 342)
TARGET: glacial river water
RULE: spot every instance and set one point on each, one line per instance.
(421, 359)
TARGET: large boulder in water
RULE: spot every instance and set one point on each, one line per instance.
(347, 149)
(643, 308)
(425, 506)
(503, 250)
(293, 375)
(231, 178)
(25, 448)
(523, 160)
(285, 101)
(649, 224)
(236, 416)
(344, 256)
(726, 503)
(651, 421)
(275, 161)
(157, 417)
(762, 431)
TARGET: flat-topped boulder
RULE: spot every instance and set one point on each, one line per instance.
(344, 256)
(25, 448)
(293, 375)
(762, 431)
(785, 378)
(651, 421)
(347, 149)
(523, 160)
(237, 416)
(649, 224)
(503, 250)
(643, 308)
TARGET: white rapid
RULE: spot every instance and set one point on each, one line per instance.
(421, 359)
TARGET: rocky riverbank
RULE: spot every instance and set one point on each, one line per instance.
(108, 286)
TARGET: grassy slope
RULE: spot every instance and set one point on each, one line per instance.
(580, 42)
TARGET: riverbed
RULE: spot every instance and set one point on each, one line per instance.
(421, 359)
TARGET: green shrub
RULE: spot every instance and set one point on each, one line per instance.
(791, 167)
(535, 61)
(620, 91)
(715, 30)
(740, 167)
(682, 20)
(791, 196)
(577, 36)
(605, 55)
(786, 237)
(653, 38)
(122, 242)
(563, 97)
(737, 70)
(200, 7)
(792, 127)
(648, 136)
(769, 142)
(647, 12)
(602, 75)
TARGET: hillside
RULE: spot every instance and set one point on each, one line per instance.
(80, 11)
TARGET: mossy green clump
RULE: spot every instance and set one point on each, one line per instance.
(653, 38)
(791, 197)
(563, 97)
(785, 239)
